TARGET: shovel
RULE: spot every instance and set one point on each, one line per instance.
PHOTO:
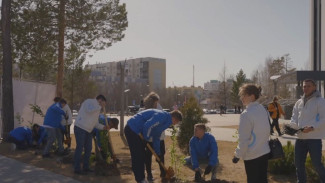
(169, 171)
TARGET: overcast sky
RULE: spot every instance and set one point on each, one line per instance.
(209, 33)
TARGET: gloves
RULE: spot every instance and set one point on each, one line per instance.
(235, 159)
(208, 169)
(197, 176)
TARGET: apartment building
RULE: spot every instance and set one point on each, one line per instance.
(146, 71)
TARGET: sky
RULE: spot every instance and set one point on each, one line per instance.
(209, 34)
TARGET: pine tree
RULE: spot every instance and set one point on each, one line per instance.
(192, 114)
(240, 80)
(89, 25)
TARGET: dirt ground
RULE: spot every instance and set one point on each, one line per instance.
(227, 171)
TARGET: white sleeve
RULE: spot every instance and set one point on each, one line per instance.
(295, 114)
(244, 135)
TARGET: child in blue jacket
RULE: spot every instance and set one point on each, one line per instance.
(149, 123)
(203, 150)
(21, 137)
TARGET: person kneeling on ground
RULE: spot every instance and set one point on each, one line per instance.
(39, 135)
(21, 138)
(204, 152)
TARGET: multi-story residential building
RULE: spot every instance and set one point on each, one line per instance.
(146, 71)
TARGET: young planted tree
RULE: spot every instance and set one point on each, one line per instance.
(192, 114)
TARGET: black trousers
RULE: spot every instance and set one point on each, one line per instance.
(66, 133)
(275, 123)
(256, 169)
(137, 151)
(148, 159)
(21, 145)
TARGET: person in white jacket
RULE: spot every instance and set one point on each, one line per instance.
(86, 121)
(66, 122)
(253, 132)
(309, 114)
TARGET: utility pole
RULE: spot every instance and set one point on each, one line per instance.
(122, 66)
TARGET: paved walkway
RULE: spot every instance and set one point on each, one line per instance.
(12, 171)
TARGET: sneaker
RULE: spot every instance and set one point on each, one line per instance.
(46, 156)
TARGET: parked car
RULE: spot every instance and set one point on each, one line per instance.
(230, 111)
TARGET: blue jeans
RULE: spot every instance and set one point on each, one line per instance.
(84, 142)
(52, 134)
(314, 147)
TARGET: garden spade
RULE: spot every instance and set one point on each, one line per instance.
(169, 171)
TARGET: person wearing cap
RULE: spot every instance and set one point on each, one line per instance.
(112, 123)
(86, 121)
(149, 123)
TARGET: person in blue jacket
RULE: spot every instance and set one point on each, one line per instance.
(52, 124)
(21, 137)
(39, 135)
(149, 123)
(203, 150)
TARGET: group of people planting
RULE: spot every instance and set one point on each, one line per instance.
(145, 135)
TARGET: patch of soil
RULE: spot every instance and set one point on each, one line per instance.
(227, 171)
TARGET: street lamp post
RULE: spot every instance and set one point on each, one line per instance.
(275, 82)
(177, 102)
(127, 104)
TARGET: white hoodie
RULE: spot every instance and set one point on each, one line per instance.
(253, 132)
(67, 111)
(87, 118)
(310, 113)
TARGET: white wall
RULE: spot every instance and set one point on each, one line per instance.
(28, 92)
